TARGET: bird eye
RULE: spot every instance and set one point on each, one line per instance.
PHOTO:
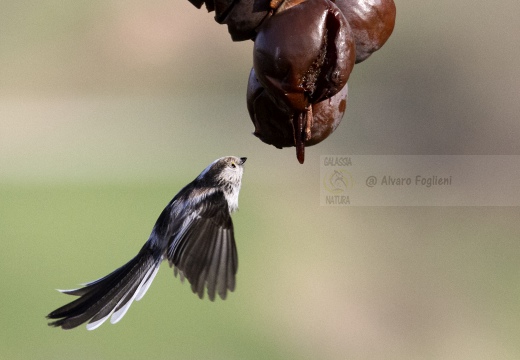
(233, 165)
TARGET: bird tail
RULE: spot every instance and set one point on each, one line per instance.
(111, 295)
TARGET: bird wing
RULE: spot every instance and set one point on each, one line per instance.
(203, 250)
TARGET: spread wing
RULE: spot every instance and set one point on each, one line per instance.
(203, 250)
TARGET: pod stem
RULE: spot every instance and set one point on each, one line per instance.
(302, 124)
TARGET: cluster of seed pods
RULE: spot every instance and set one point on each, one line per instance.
(304, 52)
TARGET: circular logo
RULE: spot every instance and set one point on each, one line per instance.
(337, 181)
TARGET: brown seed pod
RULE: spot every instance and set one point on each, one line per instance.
(280, 128)
(304, 54)
(372, 22)
(327, 115)
(272, 125)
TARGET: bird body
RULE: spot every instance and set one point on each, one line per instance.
(194, 233)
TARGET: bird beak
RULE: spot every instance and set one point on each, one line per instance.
(243, 160)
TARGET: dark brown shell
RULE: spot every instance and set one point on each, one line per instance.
(304, 54)
(275, 126)
(372, 22)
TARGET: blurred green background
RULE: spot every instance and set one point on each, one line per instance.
(107, 108)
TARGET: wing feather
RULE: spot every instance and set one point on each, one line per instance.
(204, 249)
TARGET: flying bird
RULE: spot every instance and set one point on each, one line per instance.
(194, 233)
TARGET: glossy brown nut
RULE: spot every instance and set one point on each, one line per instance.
(372, 22)
(327, 115)
(277, 127)
(304, 54)
(272, 125)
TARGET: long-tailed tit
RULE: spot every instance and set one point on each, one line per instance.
(194, 233)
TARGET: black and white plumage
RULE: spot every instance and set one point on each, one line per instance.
(194, 233)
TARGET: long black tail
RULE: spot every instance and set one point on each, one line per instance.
(111, 295)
